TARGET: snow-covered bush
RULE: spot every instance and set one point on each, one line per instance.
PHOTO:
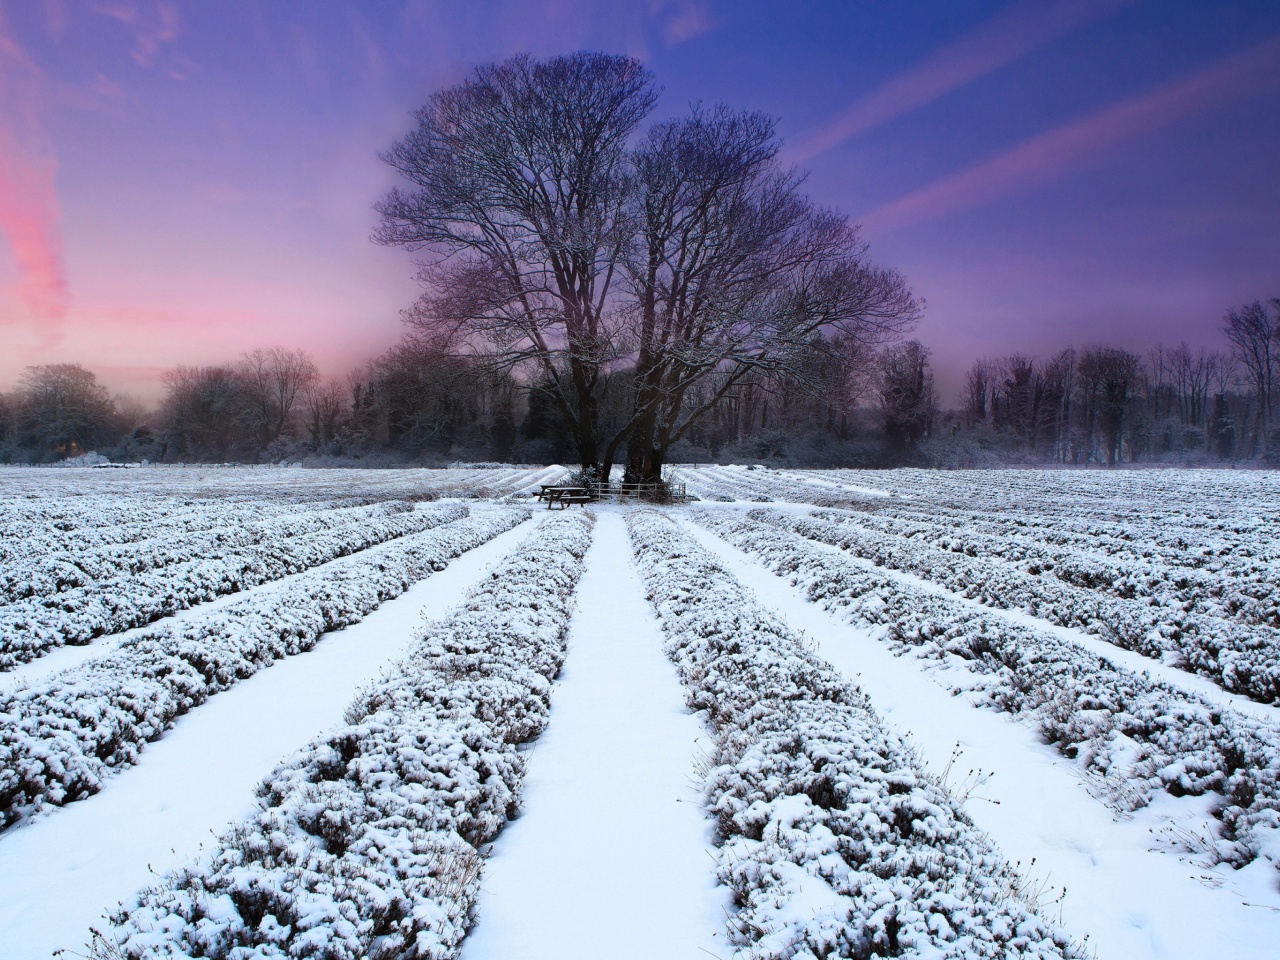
(59, 738)
(1243, 658)
(836, 842)
(366, 845)
(1134, 734)
(222, 528)
(30, 628)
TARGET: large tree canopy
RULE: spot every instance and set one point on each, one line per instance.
(555, 234)
(734, 272)
(521, 203)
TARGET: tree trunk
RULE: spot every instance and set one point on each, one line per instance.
(640, 451)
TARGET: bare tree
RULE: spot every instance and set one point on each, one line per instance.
(1109, 376)
(735, 272)
(203, 413)
(1060, 375)
(1021, 396)
(1253, 336)
(907, 401)
(62, 410)
(273, 381)
(977, 391)
(520, 203)
(532, 211)
(325, 404)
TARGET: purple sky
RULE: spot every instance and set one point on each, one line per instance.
(180, 181)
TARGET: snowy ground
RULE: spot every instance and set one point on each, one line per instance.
(612, 852)
(1132, 902)
(612, 829)
(59, 873)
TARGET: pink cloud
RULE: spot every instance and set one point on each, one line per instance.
(29, 221)
(28, 198)
(1081, 143)
(55, 17)
(1013, 32)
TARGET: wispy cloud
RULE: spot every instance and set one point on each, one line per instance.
(28, 198)
(1012, 33)
(683, 20)
(29, 220)
(152, 26)
(1082, 143)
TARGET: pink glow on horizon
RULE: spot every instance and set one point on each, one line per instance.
(1076, 145)
(1011, 33)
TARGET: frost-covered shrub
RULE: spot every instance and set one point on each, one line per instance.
(59, 738)
(30, 628)
(173, 538)
(836, 842)
(1242, 658)
(1135, 734)
(365, 843)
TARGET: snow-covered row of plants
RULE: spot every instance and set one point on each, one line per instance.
(32, 627)
(1238, 657)
(1204, 500)
(1249, 596)
(837, 843)
(1165, 534)
(759, 484)
(169, 487)
(1132, 735)
(1186, 513)
(51, 524)
(1246, 554)
(368, 842)
(1235, 544)
(751, 484)
(60, 737)
(80, 564)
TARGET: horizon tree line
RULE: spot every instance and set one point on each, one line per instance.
(422, 402)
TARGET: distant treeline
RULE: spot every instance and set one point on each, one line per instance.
(875, 407)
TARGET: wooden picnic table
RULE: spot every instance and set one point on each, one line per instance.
(554, 493)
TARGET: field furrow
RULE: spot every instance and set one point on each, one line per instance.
(837, 841)
(564, 880)
(31, 627)
(1241, 658)
(60, 875)
(1133, 735)
(60, 738)
(368, 840)
(1135, 898)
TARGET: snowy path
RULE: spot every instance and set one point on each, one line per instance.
(59, 873)
(1135, 903)
(612, 855)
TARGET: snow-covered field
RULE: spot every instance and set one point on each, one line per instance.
(341, 714)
